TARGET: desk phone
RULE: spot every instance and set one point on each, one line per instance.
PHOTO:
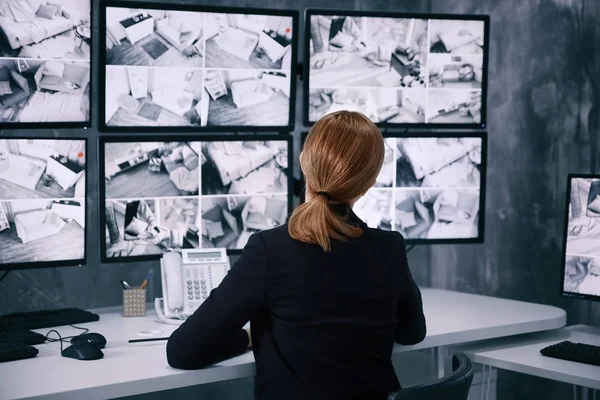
(187, 280)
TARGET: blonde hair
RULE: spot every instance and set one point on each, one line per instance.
(341, 159)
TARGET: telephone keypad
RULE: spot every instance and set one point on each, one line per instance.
(197, 282)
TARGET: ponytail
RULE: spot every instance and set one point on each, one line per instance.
(316, 222)
(341, 159)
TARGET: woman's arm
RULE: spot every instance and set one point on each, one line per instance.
(411, 327)
(214, 332)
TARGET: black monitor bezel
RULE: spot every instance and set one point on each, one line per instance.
(382, 14)
(68, 263)
(102, 140)
(103, 127)
(64, 125)
(482, 185)
(564, 293)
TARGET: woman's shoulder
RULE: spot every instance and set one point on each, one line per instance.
(277, 233)
(393, 236)
(279, 238)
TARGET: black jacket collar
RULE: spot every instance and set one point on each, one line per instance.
(346, 211)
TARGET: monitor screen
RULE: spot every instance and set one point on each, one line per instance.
(401, 70)
(42, 202)
(431, 188)
(581, 262)
(175, 194)
(45, 63)
(185, 68)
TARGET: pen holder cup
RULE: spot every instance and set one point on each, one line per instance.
(134, 302)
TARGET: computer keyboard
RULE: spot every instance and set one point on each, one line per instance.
(11, 351)
(22, 336)
(577, 352)
(47, 318)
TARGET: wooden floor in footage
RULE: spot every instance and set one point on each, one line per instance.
(221, 112)
(52, 191)
(274, 112)
(218, 58)
(165, 118)
(128, 54)
(138, 182)
(68, 244)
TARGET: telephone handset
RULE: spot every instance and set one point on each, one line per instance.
(187, 280)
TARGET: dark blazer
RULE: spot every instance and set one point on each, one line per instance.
(323, 324)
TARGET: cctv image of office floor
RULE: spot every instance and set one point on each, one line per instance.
(42, 230)
(144, 96)
(367, 51)
(151, 169)
(438, 162)
(229, 221)
(245, 97)
(437, 213)
(375, 208)
(390, 71)
(583, 230)
(149, 37)
(36, 91)
(240, 41)
(385, 105)
(455, 36)
(454, 106)
(428, 188)
(165, 196)
(582, 275)
(37, 29)
(244, 167)
(174, 97)
(387, 175)
(455, 71)
(45, 51)
(42, 169)
(151, 226)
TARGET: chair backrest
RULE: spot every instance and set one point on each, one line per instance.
(452, 387)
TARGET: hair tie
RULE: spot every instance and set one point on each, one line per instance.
(324, 194)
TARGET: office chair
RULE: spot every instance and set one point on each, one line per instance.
(452, 387)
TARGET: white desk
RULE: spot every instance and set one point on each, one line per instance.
(522, 354)
(129, 369)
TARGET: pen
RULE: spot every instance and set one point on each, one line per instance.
(148, 340)
(125, 285)
(148, 277)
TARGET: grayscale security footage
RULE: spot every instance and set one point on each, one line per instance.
(396, 70)
(45, 61)
(42, 200)
(582, 265)
(163, 196)
(428, 188)
(171, 68)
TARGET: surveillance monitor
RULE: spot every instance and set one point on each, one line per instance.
(174, 67)
(581, 258)
(45, 63)
(171, 193)
(401, 70)
(431, 188)
(42, 202)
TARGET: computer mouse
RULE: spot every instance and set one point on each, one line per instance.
(93, 338)
(83, 351)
